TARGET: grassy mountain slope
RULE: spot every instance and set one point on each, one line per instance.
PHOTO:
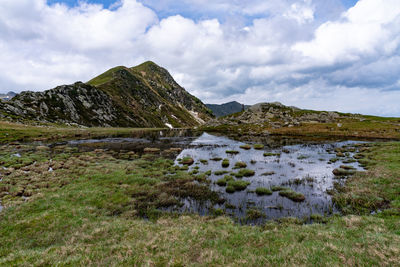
(142, 96)
(149, 94)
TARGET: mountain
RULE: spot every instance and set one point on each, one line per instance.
(227, 108)
(7, 96)
(141, 96)
(276, 115)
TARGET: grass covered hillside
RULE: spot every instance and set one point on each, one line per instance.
(142, 96)
(149, 93)
(278, 119)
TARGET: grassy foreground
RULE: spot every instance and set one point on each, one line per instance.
(89, 210)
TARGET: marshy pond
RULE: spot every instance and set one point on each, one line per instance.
(259, 180)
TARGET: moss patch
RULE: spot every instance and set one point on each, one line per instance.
(258, 146)
(225, 163)
(261, 191)
(240, 165)
(238, 185)
(292, 195)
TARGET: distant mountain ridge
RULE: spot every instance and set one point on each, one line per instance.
(7, 96)
(229, 108)
(141, 96)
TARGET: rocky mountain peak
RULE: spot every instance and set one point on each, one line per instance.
(141, 96)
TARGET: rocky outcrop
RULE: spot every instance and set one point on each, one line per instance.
(78, 103)
(276, 115)
(143, 96)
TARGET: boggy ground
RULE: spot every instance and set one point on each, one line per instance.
(371, 127)
(17, 132)
(65, 207)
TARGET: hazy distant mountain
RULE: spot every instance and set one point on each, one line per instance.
(142, 96)
(227, 108)
(7, 96)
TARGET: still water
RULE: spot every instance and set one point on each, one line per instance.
(305, 166)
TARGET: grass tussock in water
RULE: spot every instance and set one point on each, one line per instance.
(261, 191)
(238, 185)
(245, 147)
(225, 180)
(258, 146)
(292, 195)
(240, 165)
(244, 173)
(218, 173)
(225, 163)
(343, 171)
(204, 161)
(271, 154)
(187, 161)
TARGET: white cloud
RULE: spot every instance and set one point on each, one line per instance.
(370, 28)
(301, 12)
(291, 51)
(44, 46)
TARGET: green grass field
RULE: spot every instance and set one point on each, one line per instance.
(103, 209)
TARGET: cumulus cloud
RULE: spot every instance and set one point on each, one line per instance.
(43, 46)
(370, 28)
(301, 12)
(308, 53)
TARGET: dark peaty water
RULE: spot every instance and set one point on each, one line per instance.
(305, 168)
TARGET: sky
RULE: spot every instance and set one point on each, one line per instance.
(339, 55)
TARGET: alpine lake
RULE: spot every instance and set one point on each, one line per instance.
(256, 178)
